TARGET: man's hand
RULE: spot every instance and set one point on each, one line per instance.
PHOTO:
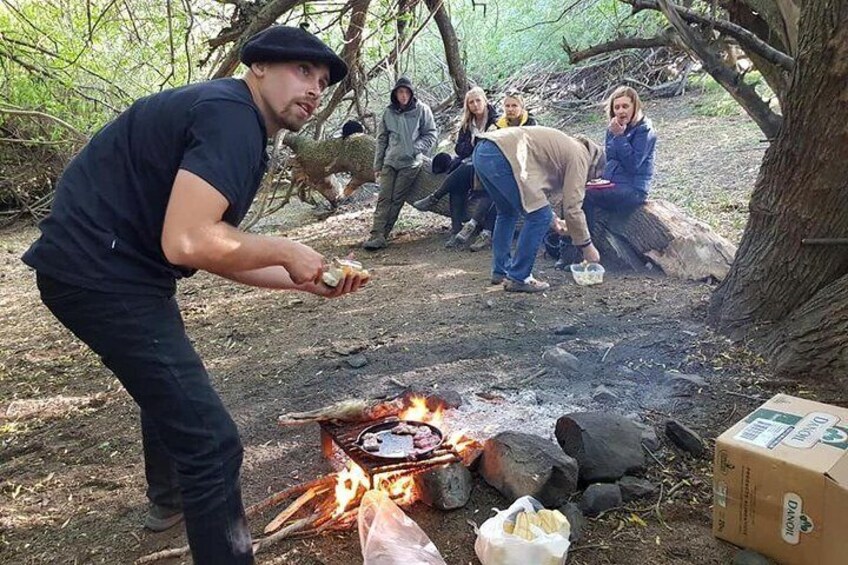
(304, 264)
(351, 283)
(615, 127)
(590, 254)
(559, 226)
(376, 176)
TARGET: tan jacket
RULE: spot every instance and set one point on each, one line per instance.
(550, 167)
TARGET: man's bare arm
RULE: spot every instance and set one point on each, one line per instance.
(195, 236)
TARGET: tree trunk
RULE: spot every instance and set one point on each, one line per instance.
(350, 54)
(800, 193)
(455, 66)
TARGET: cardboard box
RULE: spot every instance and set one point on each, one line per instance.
(780, 482)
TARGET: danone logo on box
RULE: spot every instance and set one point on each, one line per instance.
(795, 522)
(810, 430)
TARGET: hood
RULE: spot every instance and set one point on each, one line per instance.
(597, 157)
(405, 83)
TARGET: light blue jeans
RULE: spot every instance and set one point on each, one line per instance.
(498, 180)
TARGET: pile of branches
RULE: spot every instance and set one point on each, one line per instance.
(33, 153)
(657, 72)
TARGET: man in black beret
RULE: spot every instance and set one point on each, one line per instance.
(154, 196)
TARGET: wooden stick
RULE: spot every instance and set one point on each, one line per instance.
(423, 463)
(264, 543)
(282, 495)
(292, 509)
(164, 554)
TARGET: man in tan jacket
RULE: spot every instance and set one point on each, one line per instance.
(539, 173)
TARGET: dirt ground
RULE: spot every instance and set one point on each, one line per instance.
(70, 457)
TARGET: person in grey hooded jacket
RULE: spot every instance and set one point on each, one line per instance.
(407, 133)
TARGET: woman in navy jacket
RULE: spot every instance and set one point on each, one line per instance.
(630, 149)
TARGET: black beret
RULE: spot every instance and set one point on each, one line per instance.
(351, 127)
(284, 43)
(441, 163)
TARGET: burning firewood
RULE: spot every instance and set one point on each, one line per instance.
(283, 516)
(356, 410)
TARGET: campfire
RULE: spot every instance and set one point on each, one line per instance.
(331, 502)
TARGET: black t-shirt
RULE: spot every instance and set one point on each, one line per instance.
(105, 227)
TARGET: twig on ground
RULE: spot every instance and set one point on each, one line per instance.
(284, 494)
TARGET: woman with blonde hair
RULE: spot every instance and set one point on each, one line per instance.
(478, 117)
(515, 112)
(630, 148)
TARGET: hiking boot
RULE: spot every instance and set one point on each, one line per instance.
(375, 243)
(467, 231)
(498, 279)
(425, 204)
(452, 243)
(531, 286)
(483, 241)
(159, 518)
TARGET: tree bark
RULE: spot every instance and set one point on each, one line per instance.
(767, 120)
(350, 54)
(574, 57)
(800, 193)
(455, 66)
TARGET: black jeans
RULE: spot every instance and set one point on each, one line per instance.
(187, 432)
(457, 185)
(616, 199)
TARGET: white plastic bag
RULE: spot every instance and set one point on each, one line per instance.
(496, 547)
(389, 537)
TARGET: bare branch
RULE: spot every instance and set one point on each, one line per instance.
(574, 57)
(757, 108)
(747, 40)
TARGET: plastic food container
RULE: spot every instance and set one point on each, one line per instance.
(587, 274)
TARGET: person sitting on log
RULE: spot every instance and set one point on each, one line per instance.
(630, 147)
(483, 216)
(479, 116)
(530, 172)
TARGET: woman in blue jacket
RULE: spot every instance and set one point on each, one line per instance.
(630, 147)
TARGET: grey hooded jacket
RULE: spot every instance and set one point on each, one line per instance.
(406, 134)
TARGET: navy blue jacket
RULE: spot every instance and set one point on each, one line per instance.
(630, 157)
(465, 142)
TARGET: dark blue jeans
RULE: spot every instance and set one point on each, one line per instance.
(186, 430)
(497, 177)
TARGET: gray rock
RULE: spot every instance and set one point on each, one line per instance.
(748, 557)
(575, 517)
(684, 438)
(565, 329)
(682, 384)
(518, 464)
(600, 497)
(606, 446)
(634, 488)
(357, 361)
(604, 395)
(650, 439)
(561, 360)
(445, 488)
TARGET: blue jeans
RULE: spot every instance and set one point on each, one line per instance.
(186, 430)
(498, 180)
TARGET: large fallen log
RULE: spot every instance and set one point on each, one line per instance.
(657, 233)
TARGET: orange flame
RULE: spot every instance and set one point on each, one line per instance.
(460, 441)
(348, 483)
(419, 412)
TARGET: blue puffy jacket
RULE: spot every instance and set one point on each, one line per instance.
(630, 157)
